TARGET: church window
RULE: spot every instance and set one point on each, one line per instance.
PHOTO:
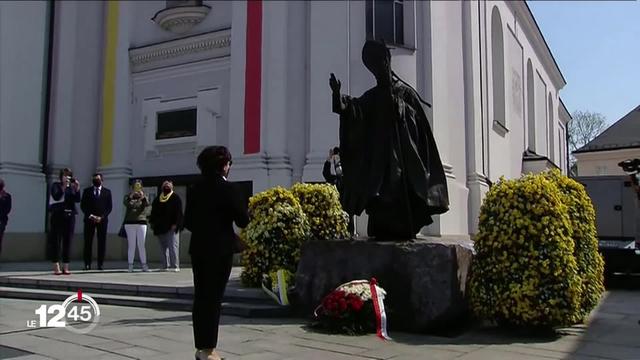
(385, 20)
(176, 124)
(497, 68)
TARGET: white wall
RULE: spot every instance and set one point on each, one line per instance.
(22, 78)
(175, 88)
(506, 149)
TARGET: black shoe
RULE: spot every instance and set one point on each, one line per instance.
(87, 267)
(100, 268)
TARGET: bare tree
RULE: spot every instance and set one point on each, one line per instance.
(583, 128)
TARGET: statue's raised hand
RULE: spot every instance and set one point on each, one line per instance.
(334, 84)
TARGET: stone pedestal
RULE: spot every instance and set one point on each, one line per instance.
(425, 279)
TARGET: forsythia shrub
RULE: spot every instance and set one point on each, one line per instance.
(524, 271)
(321, 204)
(585, 237)
(274, 235)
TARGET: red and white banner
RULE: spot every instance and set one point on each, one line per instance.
(377, 296)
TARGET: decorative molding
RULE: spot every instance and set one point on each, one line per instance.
(564, 114)
(115, 171)
(252, 161)
(20, 168)
(477, 179)
(180, 19)
(278, 162)
(175, 52)
(448, 171)
(500, 128)
(181, 70)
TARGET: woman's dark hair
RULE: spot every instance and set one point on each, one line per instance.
(1, 184)
(213, 159)
(336, 151)
(65, 172)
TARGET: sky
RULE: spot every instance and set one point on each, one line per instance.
(597, 47)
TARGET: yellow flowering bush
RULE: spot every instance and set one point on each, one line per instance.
(321, 204)
(524, 271)
(274, 235)
(585, 237)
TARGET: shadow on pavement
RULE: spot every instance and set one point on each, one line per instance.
(613, 329)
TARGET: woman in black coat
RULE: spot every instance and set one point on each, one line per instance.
(5, 209)
(213, 205)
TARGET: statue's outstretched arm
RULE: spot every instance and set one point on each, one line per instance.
(338, 105)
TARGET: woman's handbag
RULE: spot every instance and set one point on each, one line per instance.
(122, 233)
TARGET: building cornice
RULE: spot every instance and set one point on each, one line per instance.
(180, 51)
(565, 116)
(539, 44)
(608, 150)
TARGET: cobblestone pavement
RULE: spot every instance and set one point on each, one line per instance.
(134, 333)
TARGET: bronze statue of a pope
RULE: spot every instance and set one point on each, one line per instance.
(390, 162)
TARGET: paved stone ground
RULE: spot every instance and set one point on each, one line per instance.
(133, 333)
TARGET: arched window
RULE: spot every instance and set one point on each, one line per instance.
(497, 67)
(531, 109)
(551, 130)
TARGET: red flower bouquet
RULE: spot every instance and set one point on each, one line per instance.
(349, 309)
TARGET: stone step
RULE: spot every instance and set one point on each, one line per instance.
(233, 308)
(234, 291)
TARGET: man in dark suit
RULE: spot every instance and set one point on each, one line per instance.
(213, 205)
(96, 205)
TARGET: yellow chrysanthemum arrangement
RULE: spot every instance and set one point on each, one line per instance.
(525, 271)
(585, 237)
(277, 229)
(321, 204)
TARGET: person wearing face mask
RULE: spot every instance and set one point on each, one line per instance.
(96, 205)
(166, 222)
(135, 224)
(213, 205)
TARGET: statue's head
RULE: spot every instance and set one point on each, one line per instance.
(377, 58)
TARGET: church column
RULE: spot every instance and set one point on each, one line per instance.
(474, 132)
(23, 70)
(62, 89)
(245, 110)
(275, 99)
(114, 161)
(328, 53)
(448, 86)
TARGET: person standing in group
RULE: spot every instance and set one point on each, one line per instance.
(5, 209)
(166, 221)
(213, 205)
(96, 205)
(135, 224)
(64, 195)
(332, 169)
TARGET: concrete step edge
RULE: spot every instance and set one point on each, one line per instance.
(186, 292)
(242, 309)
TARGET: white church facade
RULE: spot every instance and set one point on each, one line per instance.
(135, 89)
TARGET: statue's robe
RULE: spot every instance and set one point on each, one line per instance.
(391, 166)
